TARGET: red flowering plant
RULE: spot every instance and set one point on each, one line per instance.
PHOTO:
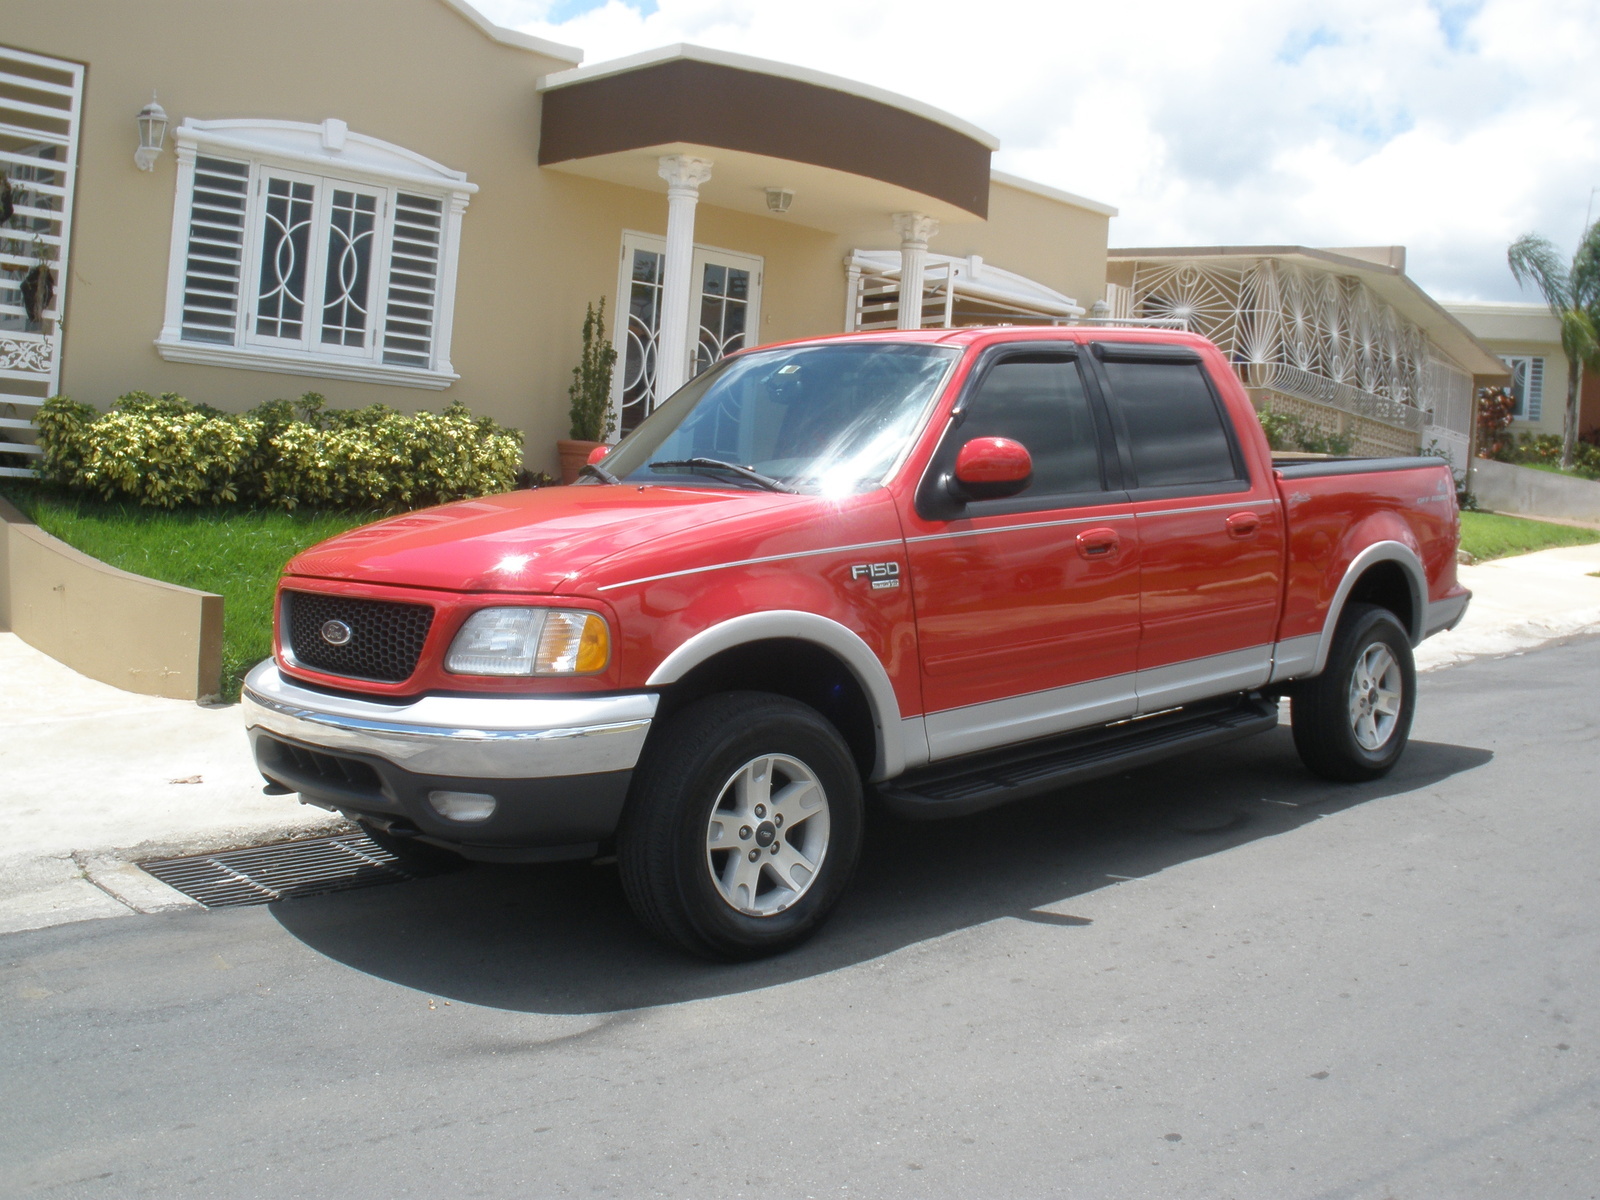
(1495, 408)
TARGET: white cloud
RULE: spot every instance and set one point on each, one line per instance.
(1448, 127)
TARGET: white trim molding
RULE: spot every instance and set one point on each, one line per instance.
(264, 202)
(513, 37)
(297, 364)
(1049, 193)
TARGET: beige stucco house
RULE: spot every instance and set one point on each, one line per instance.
(397, 201)
(1527, 338)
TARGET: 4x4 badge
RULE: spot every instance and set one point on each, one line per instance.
(882, 575)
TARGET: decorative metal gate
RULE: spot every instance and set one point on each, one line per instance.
(40, 103)
(727, 302)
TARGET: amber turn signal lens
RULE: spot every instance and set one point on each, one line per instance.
(572, 643)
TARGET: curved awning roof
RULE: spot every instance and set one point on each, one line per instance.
(845, 148)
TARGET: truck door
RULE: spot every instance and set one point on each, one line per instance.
(1210, 537)
(1027, 607)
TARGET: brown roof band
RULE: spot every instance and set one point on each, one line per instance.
(709, 104)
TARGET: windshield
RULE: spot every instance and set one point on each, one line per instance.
(832, 417)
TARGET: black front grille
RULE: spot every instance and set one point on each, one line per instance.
(385, 636)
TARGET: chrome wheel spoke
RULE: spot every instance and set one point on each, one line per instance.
(792, 868)
(740, 879)
(753, 784)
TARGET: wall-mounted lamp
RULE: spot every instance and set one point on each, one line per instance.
(152, 134)
(779, 199)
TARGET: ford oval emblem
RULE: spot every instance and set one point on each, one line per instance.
(336, 633)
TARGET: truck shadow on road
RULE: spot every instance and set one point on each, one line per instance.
(560, 939)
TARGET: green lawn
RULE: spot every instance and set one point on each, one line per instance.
(237, 553)
(1491, 535)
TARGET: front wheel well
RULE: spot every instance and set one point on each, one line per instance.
(800, 670)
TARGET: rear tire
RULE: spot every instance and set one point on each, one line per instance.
(1351, 722)
(743, 828)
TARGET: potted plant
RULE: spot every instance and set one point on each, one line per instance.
(592, 419)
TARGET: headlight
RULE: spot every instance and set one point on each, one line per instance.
(530, 641)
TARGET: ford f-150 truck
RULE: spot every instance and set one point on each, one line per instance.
(940, 570)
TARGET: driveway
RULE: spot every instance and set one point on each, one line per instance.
(1217, 977)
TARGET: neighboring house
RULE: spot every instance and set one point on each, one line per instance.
(1341, 338)
(1527, 337)
(396, 201)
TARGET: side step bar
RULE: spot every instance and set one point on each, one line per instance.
(980, 781)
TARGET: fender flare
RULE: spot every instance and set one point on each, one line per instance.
(1378, 552)
(889, 758)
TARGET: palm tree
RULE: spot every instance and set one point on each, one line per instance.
(1573, 293)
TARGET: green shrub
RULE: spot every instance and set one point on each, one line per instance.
(166, 452)
(1545, 449)
(1285, 431)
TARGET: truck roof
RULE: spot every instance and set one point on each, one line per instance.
(974, 334)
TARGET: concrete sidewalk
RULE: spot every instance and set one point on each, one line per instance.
(93, 779)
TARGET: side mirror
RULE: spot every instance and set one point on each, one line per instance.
(990, 468)
(598, 453)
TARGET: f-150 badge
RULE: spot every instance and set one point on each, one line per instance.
(882, 575)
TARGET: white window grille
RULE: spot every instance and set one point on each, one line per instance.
(1527, 385)
(312, 250)
(40, 103)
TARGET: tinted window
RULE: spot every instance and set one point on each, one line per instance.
(1039, 402)
(1175, 429)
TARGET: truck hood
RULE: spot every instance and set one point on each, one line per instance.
(529, 542)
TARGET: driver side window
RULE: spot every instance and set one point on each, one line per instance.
(1039, 401)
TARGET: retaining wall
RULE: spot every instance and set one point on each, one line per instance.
(138, 634)
(1507, 488)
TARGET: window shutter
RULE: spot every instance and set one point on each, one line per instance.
(410, 316)
(1535, 388)
(214, 264)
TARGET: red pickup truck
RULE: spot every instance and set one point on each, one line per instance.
(940, 569)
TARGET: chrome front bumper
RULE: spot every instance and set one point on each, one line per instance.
(471, 737)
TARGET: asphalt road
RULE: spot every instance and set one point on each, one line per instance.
(1213, 978)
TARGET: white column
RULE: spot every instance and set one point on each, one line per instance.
(914, 230)
(852, 295)
(684, 175)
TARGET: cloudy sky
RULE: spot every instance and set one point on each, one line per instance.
(1447, 126)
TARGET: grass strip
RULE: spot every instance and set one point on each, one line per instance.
(1494, 535)
(236, 552)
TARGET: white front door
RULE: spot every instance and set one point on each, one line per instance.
(726, 311)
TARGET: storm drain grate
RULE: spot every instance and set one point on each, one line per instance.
(283, 871)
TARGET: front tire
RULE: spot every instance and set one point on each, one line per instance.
(744, 826)
(1351, 722)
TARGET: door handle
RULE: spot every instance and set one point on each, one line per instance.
(1098, 543)
(1243, 525)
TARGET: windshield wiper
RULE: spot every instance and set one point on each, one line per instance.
(703, 465)
(599, 472)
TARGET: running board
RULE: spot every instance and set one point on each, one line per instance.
(978, 781)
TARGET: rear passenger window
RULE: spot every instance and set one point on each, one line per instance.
(1039, 402)
(1175, 429)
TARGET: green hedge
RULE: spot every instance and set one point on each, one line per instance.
(167, 452)
(1545, 448)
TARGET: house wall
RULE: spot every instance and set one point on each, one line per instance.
(536, 244)
(1524, 329)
